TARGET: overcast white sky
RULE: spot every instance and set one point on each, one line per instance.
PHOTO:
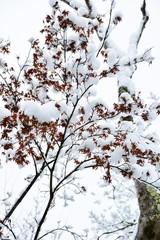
(21, 19)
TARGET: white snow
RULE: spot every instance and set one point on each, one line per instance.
(80, 21)
(117, 16)
(116, 155)
(52, 2)
(126, 81)
(4, 112)
(44, 113)
(111, 57)
(82, 11)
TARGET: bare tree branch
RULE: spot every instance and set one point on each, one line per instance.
(64, 229)
(117, 230)
(89, 6)
(144, 21)
(19, 200)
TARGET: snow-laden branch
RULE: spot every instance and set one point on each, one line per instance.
(52, 118)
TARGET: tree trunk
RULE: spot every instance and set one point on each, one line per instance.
(149, 220)
(148, 199)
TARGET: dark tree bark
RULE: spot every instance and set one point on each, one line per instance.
(149, 220)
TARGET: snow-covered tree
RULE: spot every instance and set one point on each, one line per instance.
(56, 129)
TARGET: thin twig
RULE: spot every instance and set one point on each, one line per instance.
(117, 230)
(107, 30)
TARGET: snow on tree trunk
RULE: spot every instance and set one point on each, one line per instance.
(148, 198)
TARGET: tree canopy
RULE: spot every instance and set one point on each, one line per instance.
(54, 126)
